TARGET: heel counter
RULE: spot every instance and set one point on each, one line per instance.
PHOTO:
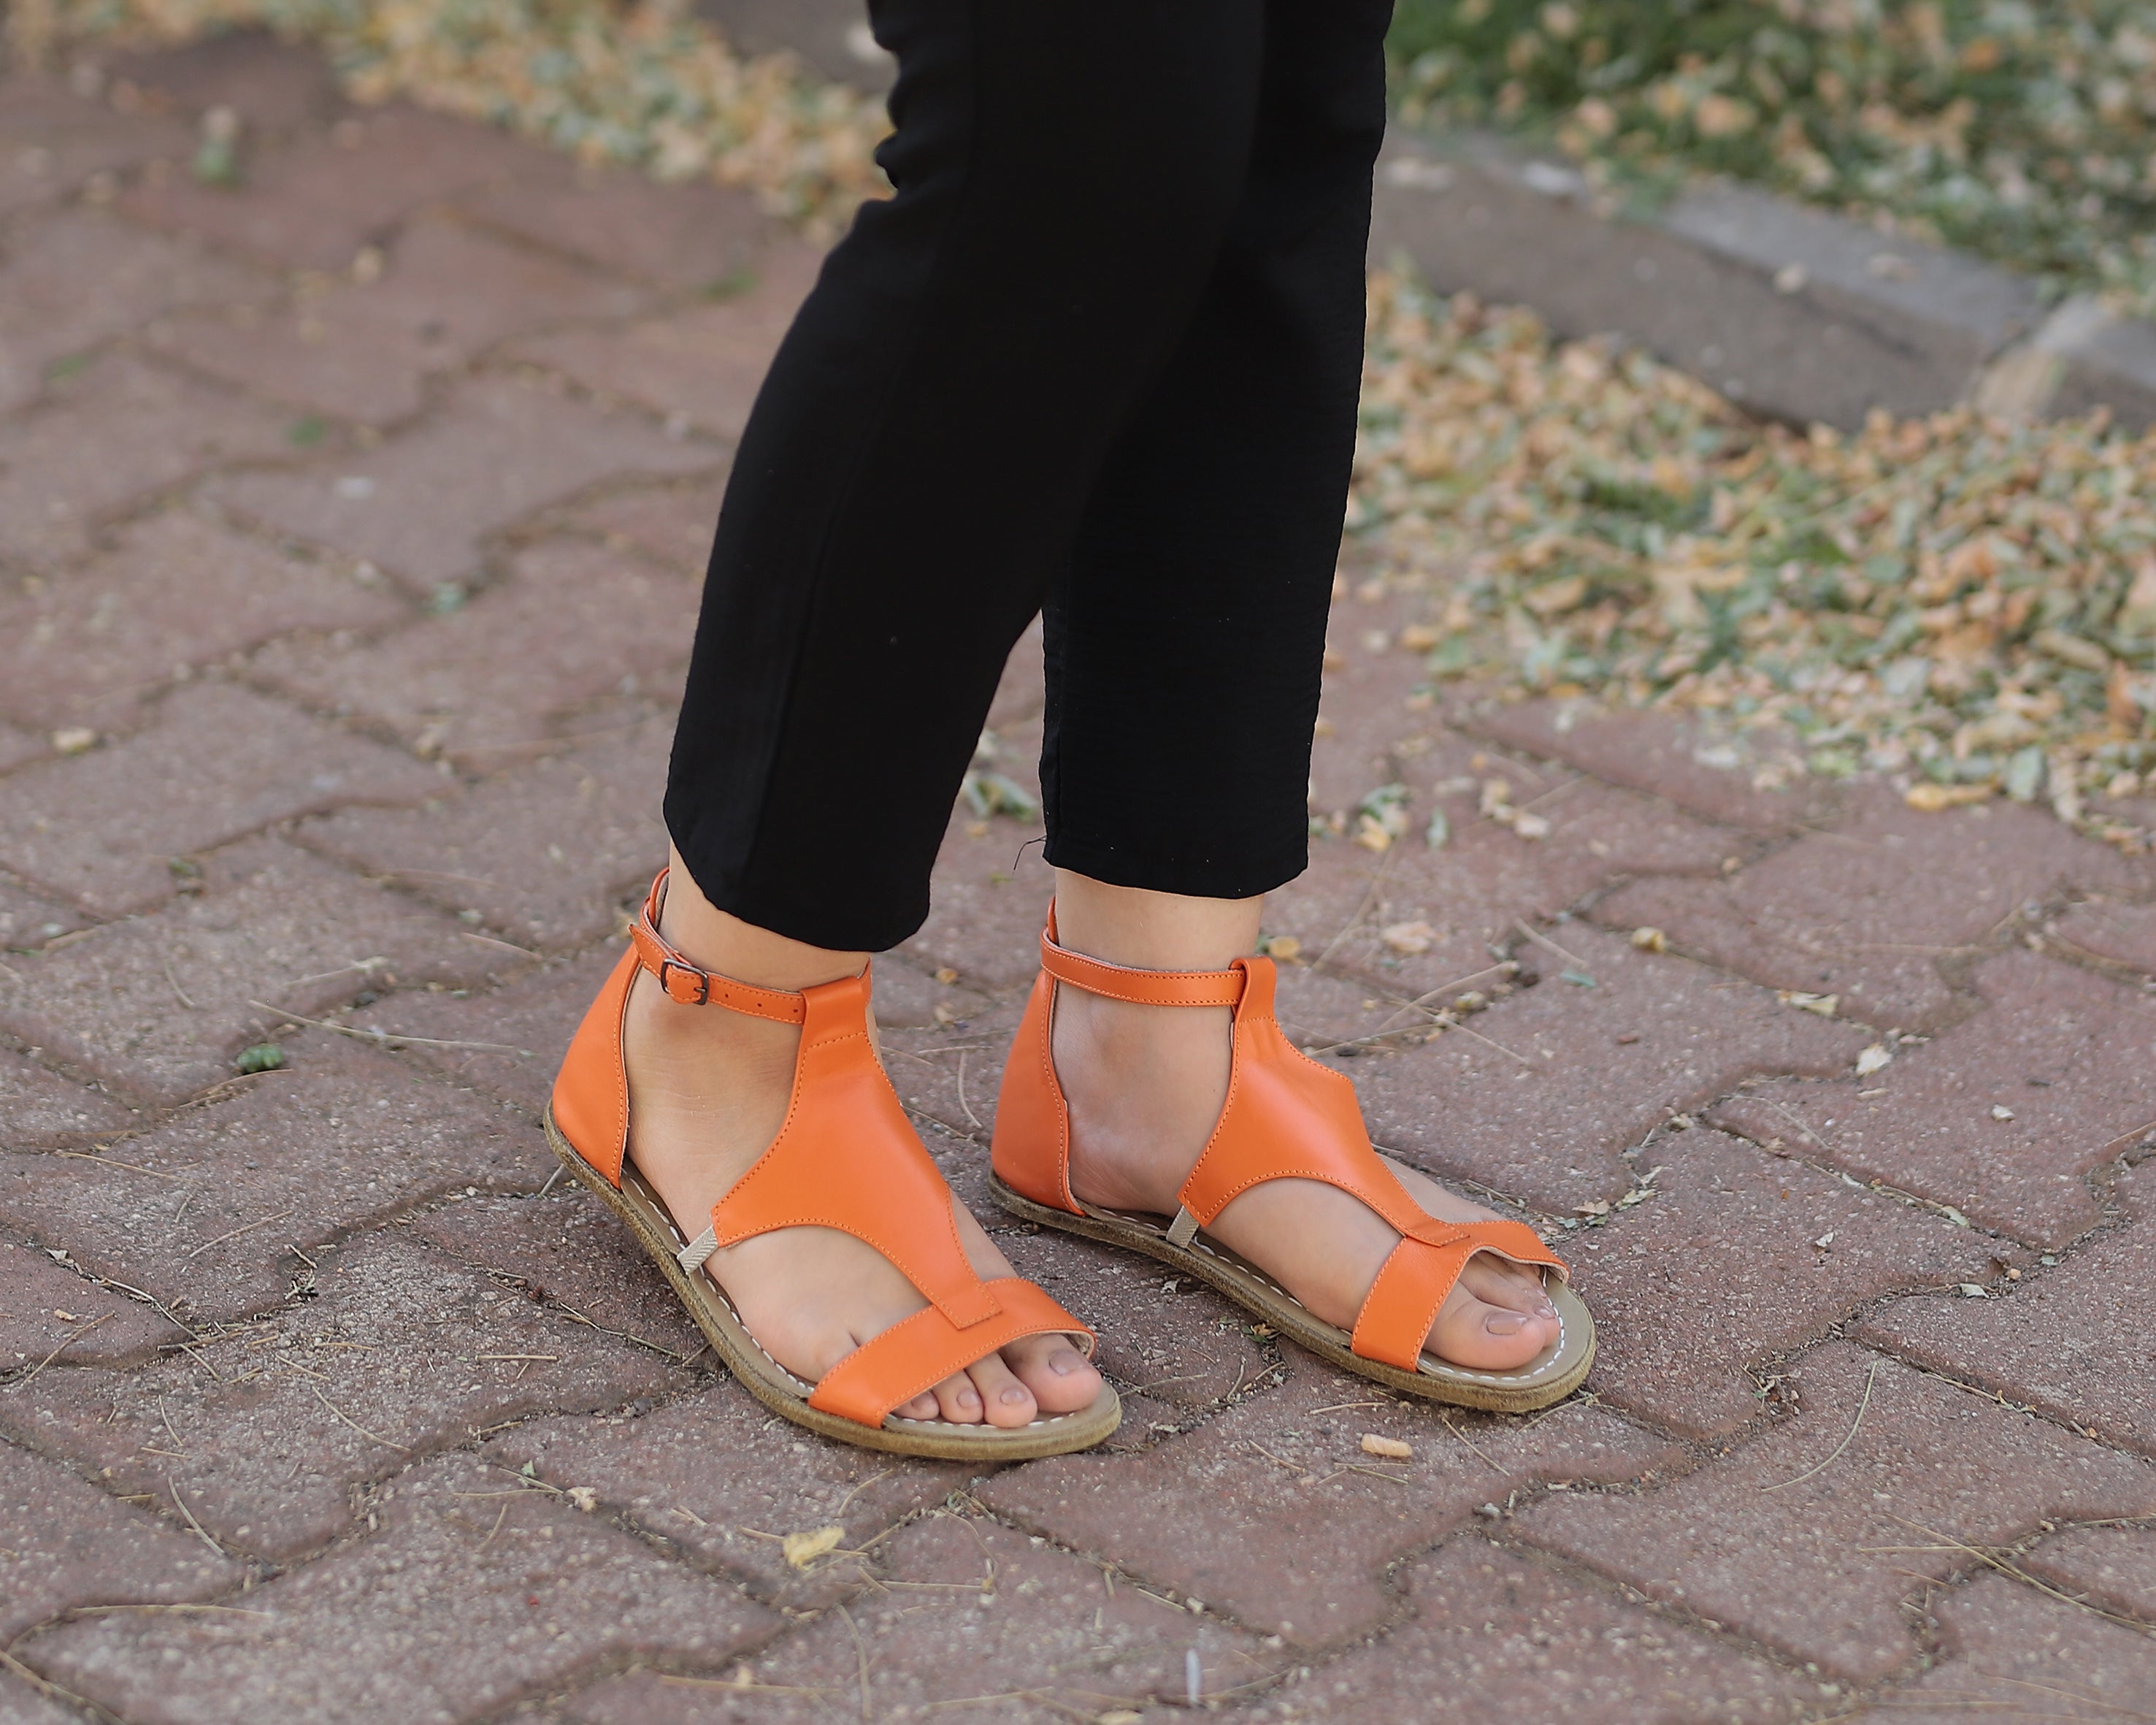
(590, 1102)
(1031, 1149)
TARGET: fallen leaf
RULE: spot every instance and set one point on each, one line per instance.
(1876, 1058)
(585, 1497)
(802, 1549)
(1650, 940)
(1373, 1445)
(1931, 798)
(1409, 938)
(1999, 1111)
(1825, 1005)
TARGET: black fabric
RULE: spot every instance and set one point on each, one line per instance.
(1099, 358)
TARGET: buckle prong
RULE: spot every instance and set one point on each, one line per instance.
(668, 970)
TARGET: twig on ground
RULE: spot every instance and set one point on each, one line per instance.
(372, 1437)
(1863, 1402)
(245, 1228)
(386, 1037)
(48, 1360)
(180, 1503)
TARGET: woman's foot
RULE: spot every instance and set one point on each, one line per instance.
(709, 1089)
(1146, 1085)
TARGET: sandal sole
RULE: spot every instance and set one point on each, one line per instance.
(1556, 1375)
(787, 1395)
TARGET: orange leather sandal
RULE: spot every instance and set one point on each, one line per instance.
(1287, 1117)
(846, 1158)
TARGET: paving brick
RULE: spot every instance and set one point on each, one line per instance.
(1489, 1627)
(546, 852)
(79, 277)
(528, 1022)
(272, 86)
(948, 1078)
(696, 236)
(2015, 1657)
(973, 1612)
(991, 896)
(158, 1005)
(2112, 1568)
(1720, 1269)
(674, 522)
(117, 431)
(52, 140)
(176, 593)
(2066, 1054)
(219, 762)
(266, 1431)
(457, 1606)
(28, 920)
(365, 351)
(1819, 1566)
(1485, 879)
(1553, 1130)
(64, 1544)
(41, 1110)
(23, 1702)
(18, 746)
(51, 1313)
(717, 1477)
(1204, 1514)
(2072, 1340)
(569, 1251)
(1868, 912)
(314, 204)
(704, 365)
(1740, 778)
(421, 504)
(2124, 933)
(204, 1212)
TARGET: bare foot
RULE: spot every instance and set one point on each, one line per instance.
(709, 1089)
(1146, 1085)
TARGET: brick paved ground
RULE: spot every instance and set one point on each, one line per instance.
(350, 525)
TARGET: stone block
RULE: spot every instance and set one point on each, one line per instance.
(1273, 1514)
(1540, 1096)
(2121, 933)
(49, 1314)
(1487, 1629)
(116, 431)
(42, 1110)
(274, 86)
(673, 521)
(507, 1041)
(1869, 911)
(715, 1476)
(1721, 1270)
(2004, 1116)
(423, 505)
(2070, 1339)
(2014, 1657)
(158, 1005)
(52, 140)
(218, 763)
(176, 593)
(680, 237)
(80, 276)
(546, 853)
(212, 1211)
(65, 1545)
(2111, 1566)
(702, 366)
(573, 1253)
(1810, 1538)
(366, 351)
(312, 204)
(467, 1592)
(268, 1431)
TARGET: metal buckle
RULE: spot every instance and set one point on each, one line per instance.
(668, 969)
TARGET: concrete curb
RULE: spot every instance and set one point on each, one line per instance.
(1792, 311)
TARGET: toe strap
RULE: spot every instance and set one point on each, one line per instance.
(1412, 1284)
(889, 1370)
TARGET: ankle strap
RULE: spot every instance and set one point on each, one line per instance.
(1146, 988)
(689, 985)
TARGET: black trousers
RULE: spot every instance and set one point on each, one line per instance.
(1098, 358)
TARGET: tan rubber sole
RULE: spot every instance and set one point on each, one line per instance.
(787, 1396)
(1560, 1370)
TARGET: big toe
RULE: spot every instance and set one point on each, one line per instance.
(1474, 1333)
(1060, 1377)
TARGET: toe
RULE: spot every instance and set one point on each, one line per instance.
(1008, 1403)
(957, 1400)
(1060, 1379)
(1487, 1337)
(922, 1407)
(1498, 1281)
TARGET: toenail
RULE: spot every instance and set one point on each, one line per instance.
(1505, 1323)
(1064, 1363)
(1013, 1396)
